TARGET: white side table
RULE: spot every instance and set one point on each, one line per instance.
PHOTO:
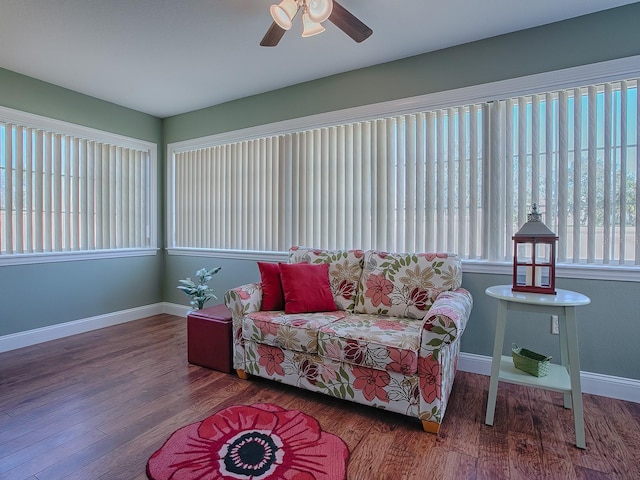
(563, 378)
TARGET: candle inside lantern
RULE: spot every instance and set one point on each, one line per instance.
(538, 279)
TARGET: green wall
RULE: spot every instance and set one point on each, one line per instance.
(608, 338)
(40, 295)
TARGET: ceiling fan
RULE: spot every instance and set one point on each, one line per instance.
(314, 12)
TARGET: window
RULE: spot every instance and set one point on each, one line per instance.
(365, 184)
(456, 173)
(68, 190)
(575, 153)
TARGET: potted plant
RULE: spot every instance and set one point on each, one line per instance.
(200, 292)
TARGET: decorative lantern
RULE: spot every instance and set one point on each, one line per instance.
(534, 256)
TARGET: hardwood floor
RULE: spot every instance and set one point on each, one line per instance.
(97, 405)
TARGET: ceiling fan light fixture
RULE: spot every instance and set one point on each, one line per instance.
(284, 12)
(311, 28)
(319, 10)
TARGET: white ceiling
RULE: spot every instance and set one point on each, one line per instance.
(165, 57)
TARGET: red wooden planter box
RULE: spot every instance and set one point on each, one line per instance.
(209, 338)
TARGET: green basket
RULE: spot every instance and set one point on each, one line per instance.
(531, 362)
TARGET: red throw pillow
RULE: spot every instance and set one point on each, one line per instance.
(272, 296)
(306, 288)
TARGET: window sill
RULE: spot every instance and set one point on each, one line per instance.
(589, 272)
(563, 270)
(54, 257)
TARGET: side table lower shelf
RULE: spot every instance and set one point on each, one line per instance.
(557, 379)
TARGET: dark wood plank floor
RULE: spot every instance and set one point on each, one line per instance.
(97, 405)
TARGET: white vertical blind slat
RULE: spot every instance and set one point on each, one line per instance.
(116, 194)
(209, 193)
(522, 185)
(305, 190)
(353, 137)
(269, 199)
(216, 186)
(462, 183)
(510, 201)
(145, 234)
(233, 224)
(430, 182)
(285, 193)
(57, 176)
(327, 170)
(563, 175)
(39, 174)
(450, 242)
(124, 194)
(622, 255)
(421, 161)
(315, 201)
(260, 196)
(19, 190)
(535, 149)
(29, 176)
(396, 173)
(606, 246)
(591, 174)
(66, 194)
(410, 180)
(493, 181)
(551, 213)
(47, 194)
(474, 175)
(108, 208)
(577, 172)
(340, 184)
(8, 190)
(367, 210)
(441, 181)
(382, 189)
(75, 200)
(90, 212)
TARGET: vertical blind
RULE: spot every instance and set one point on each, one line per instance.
(62, 193)
(362, 185)
(458, 179)
(574, 153)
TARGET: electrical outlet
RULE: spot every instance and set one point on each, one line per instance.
(554, 325)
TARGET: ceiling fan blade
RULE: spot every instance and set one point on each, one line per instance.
(273, 35)
(348, 23)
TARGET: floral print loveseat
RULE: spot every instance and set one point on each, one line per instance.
(392, 342)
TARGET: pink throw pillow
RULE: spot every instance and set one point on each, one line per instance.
(272, 295)
(306, 288)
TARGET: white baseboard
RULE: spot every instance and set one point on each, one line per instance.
(53, 332)
(175, 309)
(594, 383)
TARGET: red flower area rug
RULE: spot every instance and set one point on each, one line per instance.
(254, 442)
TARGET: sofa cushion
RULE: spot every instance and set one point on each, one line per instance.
(376, 341)
(306, 288)
(272, 295)
(405, 285)
(297, 332)
(345, 269)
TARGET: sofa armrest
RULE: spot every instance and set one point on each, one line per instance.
(241, 301)
(446, 319)
(244, 299)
